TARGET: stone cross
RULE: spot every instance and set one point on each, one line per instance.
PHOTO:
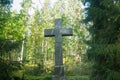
(58, 32)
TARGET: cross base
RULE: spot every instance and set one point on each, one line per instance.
(59, 73)
(59, 70)
(59, 77)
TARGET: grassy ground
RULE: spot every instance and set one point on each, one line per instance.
(48, 77)
(78, 77)
(30, 72)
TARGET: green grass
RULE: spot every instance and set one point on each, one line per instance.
(78, 77)
(28, 72)
(48, 77)
(37, 77)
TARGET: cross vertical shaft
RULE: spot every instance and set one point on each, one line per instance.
(58, 43)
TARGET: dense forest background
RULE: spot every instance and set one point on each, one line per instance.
(92, 53)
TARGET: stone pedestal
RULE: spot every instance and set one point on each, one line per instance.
(59, 70)
(58, 77)
(59, 73)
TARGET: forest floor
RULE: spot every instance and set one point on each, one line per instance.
(30, 72)
(48, 77)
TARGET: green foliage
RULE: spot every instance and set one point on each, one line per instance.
(11, 26)
(8, 45)
(104, 51)
(5, 69)
(78, 69)
(11, 36)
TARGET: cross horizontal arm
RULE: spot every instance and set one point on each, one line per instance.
(66, 31)
(63, 32)
(49, 32)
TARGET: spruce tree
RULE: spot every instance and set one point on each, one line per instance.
(105, 30)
